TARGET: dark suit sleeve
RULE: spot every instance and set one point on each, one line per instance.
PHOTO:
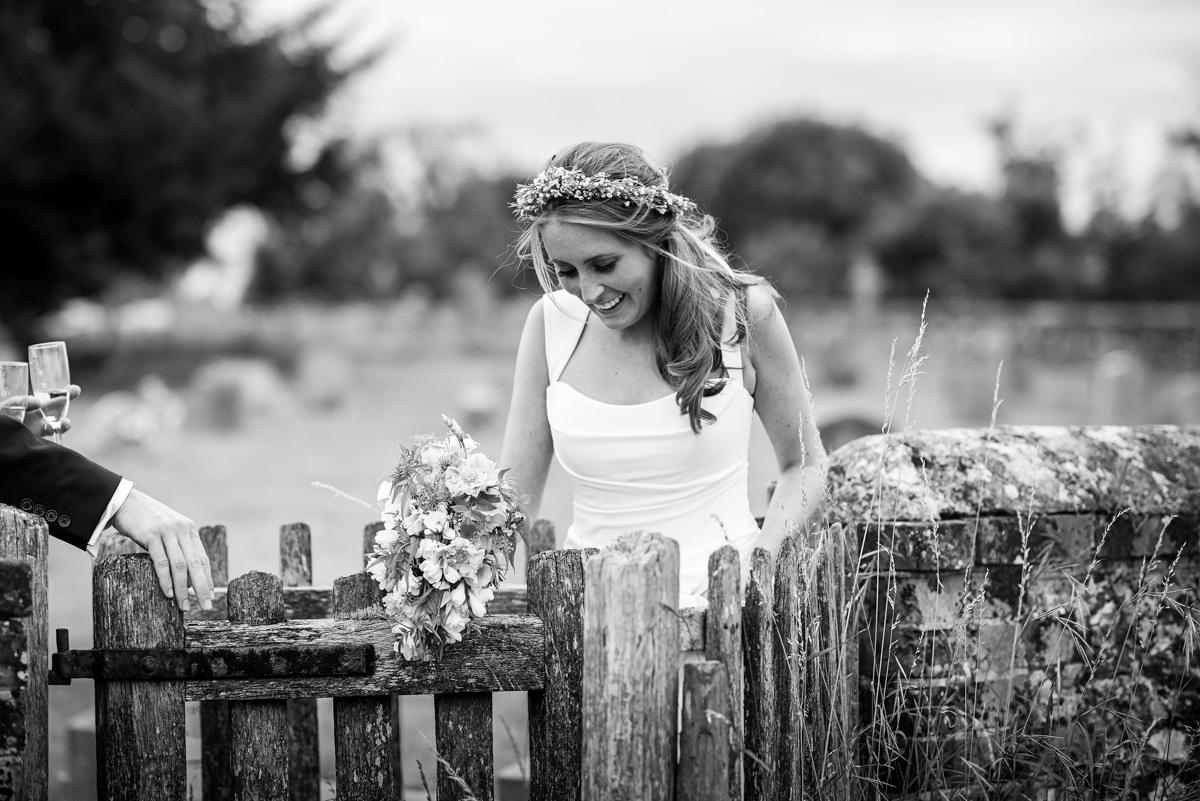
(70, 491)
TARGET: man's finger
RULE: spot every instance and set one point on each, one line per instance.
(162, 566)
(199, 572)
(179, 569)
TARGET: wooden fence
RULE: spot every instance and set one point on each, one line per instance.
(595, 640)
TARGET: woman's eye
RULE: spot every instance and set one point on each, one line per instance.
(565, 273)
(606, 267)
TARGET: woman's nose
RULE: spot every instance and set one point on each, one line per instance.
(590, 289)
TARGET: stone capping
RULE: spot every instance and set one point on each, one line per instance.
(962, 473)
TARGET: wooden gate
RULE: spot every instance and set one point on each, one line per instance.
(597, 650)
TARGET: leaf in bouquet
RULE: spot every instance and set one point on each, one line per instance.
(396, 569)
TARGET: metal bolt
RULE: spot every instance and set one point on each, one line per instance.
(149, 664)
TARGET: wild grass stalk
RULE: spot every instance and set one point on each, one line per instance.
(1083, 687)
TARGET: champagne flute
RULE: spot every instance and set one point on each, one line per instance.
(51, 380)
(14, 386)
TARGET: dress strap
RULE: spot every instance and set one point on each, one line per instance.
(565, 317)
(731, 353)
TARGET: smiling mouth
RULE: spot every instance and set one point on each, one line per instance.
(610, 305)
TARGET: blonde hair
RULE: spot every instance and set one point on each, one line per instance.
(696, 279)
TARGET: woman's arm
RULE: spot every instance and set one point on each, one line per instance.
(528, 448)
(784, 405)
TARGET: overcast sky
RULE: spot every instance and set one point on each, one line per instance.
(1106, 77)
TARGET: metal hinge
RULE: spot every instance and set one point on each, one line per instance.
(199, 664)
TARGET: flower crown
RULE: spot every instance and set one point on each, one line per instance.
(565, 183)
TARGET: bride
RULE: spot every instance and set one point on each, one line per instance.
(643, 363)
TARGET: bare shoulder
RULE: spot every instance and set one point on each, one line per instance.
(534, 329)
(537, 312)
(533, 334)
(762, 307)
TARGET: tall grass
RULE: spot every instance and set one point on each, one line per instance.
(1065, 675)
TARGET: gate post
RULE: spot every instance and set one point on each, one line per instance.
(24, 536)
(216, 777)
(304, 761)
(369, 532)
(761, 716)
(362, 726)
(631, 669)
(555, 734)
(789, 675)
(140, 738)
(723, 643)
(258, 730)
(16, 603)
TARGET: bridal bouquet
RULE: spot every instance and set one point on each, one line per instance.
(450, 524)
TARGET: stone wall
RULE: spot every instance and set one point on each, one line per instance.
(1030, 604)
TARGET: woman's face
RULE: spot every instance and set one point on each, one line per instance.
(617, 279)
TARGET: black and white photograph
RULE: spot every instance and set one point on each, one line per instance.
(542, 401)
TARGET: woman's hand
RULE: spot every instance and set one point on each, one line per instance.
(37, 423)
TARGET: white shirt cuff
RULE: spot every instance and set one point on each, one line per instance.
(118, 499)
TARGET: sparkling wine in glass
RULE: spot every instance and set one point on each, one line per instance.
(14, 387)
(51, 380)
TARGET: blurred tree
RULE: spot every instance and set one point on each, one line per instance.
(365, 245)
(342, 247)
(1154, 256)
(1032, 170)
(837, 186)
(952, 244)
(473, 229)
(127, 127)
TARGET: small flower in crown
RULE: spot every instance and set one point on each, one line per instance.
(559, 183)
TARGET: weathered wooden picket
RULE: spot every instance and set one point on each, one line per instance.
(595, 640)
(16, 606)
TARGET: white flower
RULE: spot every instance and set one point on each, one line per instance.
(429, 559)
(457, 596)
(444, 565)
(479, 598)
(388, 537)
(454, 620)
(435, 521)
(411, 644)
(432, 455)
(472, 475)
(412, 521)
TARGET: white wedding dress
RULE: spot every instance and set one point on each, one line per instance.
(641, 467)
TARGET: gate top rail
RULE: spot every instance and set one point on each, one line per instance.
(506, 654)
(195, 664)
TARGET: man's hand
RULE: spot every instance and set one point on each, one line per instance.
(172, 542)
(34, 420)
